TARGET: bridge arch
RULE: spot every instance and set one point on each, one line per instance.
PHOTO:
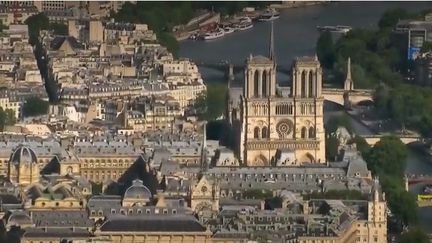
(341, 96)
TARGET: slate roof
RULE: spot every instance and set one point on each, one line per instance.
(9, 199)
(58, 41)
(62, 219)
(160, 223)
(63, 233)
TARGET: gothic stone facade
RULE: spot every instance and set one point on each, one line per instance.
(272, 121)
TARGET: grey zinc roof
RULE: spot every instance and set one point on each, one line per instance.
(63, 233)
(62, 219)
(161, 223)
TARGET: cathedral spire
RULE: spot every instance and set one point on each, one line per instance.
(204, 148)
(349, 83)
(271, 44)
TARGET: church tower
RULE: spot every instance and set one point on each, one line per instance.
(281, 126)
(377, 215)
(349, 83)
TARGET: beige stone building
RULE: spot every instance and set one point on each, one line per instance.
(269, 120)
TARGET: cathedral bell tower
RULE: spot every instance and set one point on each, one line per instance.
(260, 73)
(307, 78)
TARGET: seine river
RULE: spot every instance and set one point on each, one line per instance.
(296, 35)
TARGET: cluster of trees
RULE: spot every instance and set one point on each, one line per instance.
(7, 118)
(35, 106)
(379, 62)
(409, 105)
(414, 235)
(40, 22)
(211, 104)
(386, 159)
(161, 17)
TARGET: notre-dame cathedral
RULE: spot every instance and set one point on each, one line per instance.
(277, 126)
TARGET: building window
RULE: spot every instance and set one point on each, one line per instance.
(264, 132)
(303, 132)
(256, 132)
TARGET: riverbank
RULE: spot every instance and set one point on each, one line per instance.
(297, 4)
(186, 31)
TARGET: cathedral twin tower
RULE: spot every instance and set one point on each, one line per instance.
(278, 126)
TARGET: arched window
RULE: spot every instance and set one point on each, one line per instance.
(264, 132)
(256, 83)
(264, 83)
(311, 132)
(303, 84)
(256, 132)
(303, 132)
(311, 84)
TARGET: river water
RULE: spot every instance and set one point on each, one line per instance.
(295, 34)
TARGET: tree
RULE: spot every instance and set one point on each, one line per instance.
(339, 121)
(427, 46)
(58, 28)
(35, 24)
(332, 147)
(381, 98)
(391, 17)
(7, 118)
(325, 50)
(388, 156)
(211, 104)
(35, 106)
(414, 235)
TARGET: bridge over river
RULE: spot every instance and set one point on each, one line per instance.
(423, 200)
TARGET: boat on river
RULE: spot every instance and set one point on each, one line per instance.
(245, 24)
(218, 33)
(335, 29)
(269, 15)
(228, 29)
(427, 190)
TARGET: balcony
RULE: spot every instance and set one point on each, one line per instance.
(294, 144)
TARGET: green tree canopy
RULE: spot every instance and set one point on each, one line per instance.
(325, 49)
(427, 46)
(59, 28)
(416, 235)
(211, 104)
(388, 156)
(7, 117)
(35, 106)
(35, 24)
(392, 16)
(335, 122)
